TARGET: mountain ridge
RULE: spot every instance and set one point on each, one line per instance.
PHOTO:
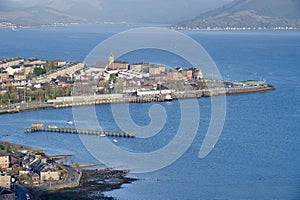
(250, 13)
(47, 12)
(32, 16)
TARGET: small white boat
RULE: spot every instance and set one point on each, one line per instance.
(52, 127)
(115, 140)
(69, 122)
(102, 135)
(168, 98)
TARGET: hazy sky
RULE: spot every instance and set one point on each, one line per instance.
(126, 10)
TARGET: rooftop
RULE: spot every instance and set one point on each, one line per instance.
(3, 153)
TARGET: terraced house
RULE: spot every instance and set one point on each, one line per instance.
(4, 160)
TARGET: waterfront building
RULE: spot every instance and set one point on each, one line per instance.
(48, 174)
(4, 160)
(16, 159)
(35, 178)
(5, 180)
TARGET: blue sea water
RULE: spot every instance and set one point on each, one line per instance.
(257, 155)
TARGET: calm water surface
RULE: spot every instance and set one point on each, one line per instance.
(257, 156)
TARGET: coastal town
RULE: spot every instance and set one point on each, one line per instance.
(32, 83)
(28, 173)
(33, 168)
(27, 84)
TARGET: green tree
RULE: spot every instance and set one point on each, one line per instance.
(59, 92)
(39, 71)
(5, 98)
(14, 97)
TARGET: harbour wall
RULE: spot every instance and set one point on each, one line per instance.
(64, 102)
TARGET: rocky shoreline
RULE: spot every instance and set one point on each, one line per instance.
(92, 186)
(92, 182)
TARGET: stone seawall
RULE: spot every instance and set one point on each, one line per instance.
(179, 95)
(239, 91)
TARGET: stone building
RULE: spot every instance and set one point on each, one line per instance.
(111, 61)
(117, 65)
(16, 159)
(5, 180)
(156, 70)
(28, 69)
(174, 76)
(197, 74)
(59, 63)
(48, 174)
(188, 73)
(136, 67)
(3, 76)
(4, 160)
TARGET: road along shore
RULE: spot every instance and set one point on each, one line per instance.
(87, 101)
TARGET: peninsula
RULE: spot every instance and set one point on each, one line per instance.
(30, 84)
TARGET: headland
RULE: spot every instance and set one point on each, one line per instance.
(33, 84)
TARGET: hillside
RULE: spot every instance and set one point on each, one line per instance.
(36, 16)
(250, 13)
(47, 12)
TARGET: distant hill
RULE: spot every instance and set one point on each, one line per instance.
(36, 16)
(47, 12)
(250, 13)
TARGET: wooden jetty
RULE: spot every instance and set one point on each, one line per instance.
(87, 165)
(45, 128)
(58, 157)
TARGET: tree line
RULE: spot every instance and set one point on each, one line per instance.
(15, 95)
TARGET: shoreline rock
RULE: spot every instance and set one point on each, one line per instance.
(92, 185)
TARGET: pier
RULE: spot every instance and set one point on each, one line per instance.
(58, 157)
(102, 133)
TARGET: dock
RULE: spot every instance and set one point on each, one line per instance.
(44, 128)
